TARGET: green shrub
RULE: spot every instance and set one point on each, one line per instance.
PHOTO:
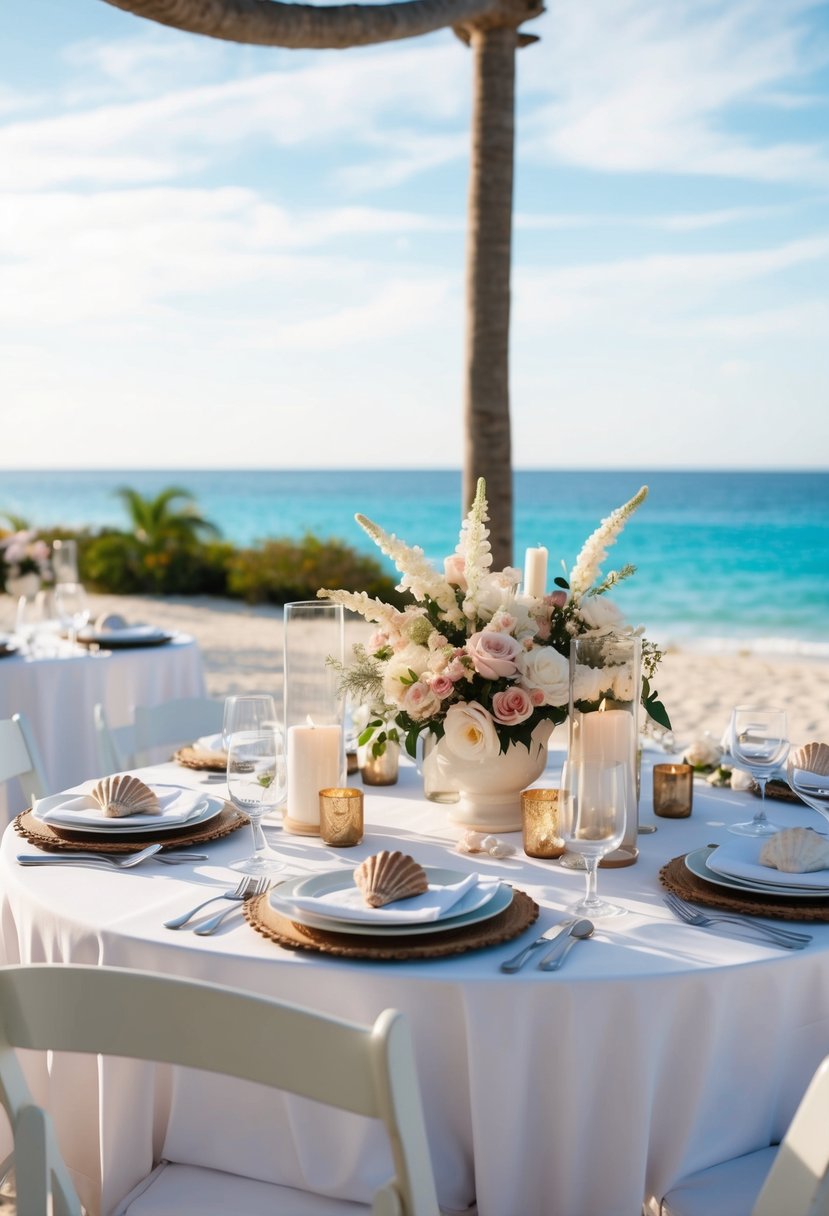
(282, 570)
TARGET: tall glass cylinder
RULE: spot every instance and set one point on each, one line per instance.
(605, 694)
(314, 640)
(65, 561)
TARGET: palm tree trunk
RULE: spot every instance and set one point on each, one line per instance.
(488, 452)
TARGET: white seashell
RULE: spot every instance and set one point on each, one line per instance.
(124, 795)
(501, 849)
(741, 780)
(386, 877)
(795, 851)
(811, 758)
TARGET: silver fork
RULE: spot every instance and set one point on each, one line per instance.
(242, 891)
(787, 938)
(257, 887)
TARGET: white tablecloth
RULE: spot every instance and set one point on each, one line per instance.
(58, 696)
(657, 1049)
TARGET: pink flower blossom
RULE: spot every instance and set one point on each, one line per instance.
(442, 686)
(454, 571)
(494, 654)
(536, 696)
(377, 641)
(558, 599)
(455, 670)
(419, 701)
(512, 706)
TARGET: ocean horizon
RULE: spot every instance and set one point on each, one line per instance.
(725, 559)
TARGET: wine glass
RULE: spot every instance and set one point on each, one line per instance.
(73, 608)
(758, 742)
(256, 774)
(592, 815)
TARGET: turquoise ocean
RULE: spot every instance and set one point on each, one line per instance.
(725, 560)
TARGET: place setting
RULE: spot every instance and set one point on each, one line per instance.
(122, 813)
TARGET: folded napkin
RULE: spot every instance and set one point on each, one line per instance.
(178, 805)
(740, 858)
(810, 782)
(210, 743)
(347, 902)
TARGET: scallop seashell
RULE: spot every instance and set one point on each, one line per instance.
(386, 877)
(812, 758)
(123, 795)
(795, 851)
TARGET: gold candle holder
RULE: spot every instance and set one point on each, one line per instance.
(539, 819)
(341, 817)
(673, 790)
(381, 770)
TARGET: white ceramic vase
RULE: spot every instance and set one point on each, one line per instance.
(490, 789)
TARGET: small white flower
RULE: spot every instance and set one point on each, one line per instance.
(703, 753)
(600, 614)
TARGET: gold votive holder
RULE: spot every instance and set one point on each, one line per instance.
(673, 790)
(539, 822)
(341, 817)
(382, 769)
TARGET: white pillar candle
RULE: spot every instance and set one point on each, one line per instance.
(314, 764)
(535, 572)
(607, 736)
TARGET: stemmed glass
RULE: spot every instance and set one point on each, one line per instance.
(73, 608)
(591, 822)
(758, 742)
(256, 774)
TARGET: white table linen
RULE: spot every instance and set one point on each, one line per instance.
(58, 696)
(656, 1050)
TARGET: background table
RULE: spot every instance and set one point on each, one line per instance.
(58, 696)
(657, 1049)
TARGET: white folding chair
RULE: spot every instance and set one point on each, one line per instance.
(114, 744)
(791, 1179)
(20, 757)
(174, 723)
(369, 1070)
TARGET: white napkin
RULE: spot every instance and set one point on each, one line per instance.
(809, 781)
(348, 903)
(210, 743)
(740, 858)
(67, 810)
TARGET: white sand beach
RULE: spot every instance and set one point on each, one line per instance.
(242, 649)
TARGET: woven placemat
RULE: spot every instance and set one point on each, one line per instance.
(780, 791)
(521, 912)
(196, 757)
(57, 840)
(676, 876)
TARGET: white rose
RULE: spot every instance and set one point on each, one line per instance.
(600, 613)
(397, 674)
(469, 732)
(496, 591)
(591, 683)
(544, 670)
(740, 780)
(703, 753)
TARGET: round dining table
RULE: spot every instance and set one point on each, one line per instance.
(58, 693)
(658, 1048)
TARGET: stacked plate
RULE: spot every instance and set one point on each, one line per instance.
(126, 637)
(736, 866)
(326, 901)
(78, 812)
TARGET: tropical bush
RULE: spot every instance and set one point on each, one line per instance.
(282, 570)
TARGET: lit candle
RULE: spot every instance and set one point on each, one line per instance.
(535, 572)
(607, 737)
(314, 763)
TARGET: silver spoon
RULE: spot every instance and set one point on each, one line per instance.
(578, 932)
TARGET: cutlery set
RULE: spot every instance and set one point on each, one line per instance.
(564, 935)
(774, 935)
(108, 861)
(247, 887)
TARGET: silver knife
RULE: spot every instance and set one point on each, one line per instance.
(516, 963)
(578, 931)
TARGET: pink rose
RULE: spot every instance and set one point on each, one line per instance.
(442, 686)
(419, 701)
(537, 696)
(512, 706)
(493, 654)
(454, 571)
(558, 599)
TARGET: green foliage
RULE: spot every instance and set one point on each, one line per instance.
(282, 570)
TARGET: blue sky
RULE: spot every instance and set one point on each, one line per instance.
(216, 255)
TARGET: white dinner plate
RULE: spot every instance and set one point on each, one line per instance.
(696, 863)
(212, 807)
(339, 880)
(280, 901)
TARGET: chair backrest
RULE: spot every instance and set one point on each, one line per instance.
(114, 744)
(798, 1181)
(369, 1070)
(174, 723)
(20, 757)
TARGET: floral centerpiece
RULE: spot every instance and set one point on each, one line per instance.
(471, 658)
(22, 554)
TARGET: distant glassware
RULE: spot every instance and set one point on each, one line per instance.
(759, 744)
